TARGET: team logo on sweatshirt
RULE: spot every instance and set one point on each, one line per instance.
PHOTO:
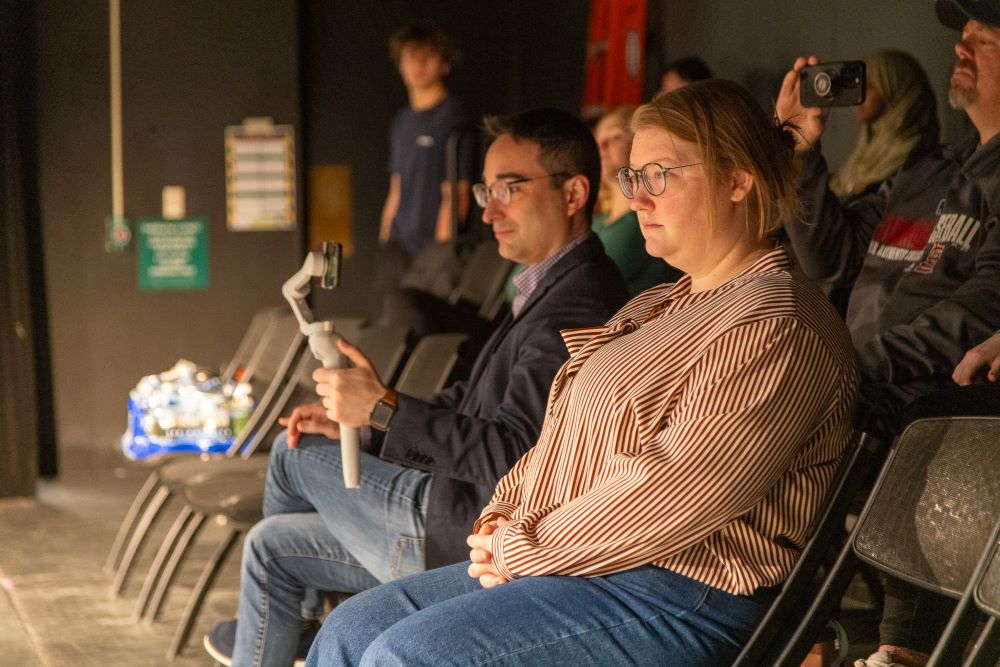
(921, 242)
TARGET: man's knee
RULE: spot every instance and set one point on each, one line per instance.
(386, 650)
(258, 546)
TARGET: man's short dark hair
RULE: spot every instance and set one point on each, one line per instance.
(690, 69)
(566, 144)
(422, 35)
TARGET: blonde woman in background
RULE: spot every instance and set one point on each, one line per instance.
(615, 223)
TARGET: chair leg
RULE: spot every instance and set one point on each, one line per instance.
(824, 605)
(138, 537)
(205, 582)
(128, 523)
(986, 651)
(960, 629)
(156, 568)
(180, 550)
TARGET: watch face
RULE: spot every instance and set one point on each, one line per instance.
(381, 415)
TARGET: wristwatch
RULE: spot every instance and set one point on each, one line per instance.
(384, 410)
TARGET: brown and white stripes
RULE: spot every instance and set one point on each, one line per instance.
(695, 432)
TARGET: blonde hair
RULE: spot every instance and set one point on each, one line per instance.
(732, 132)
(908, 120)
(607, 193)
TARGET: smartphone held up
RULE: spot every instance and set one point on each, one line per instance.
(833, 84)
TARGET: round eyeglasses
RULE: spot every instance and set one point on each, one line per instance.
(500, 190)
(652, 175)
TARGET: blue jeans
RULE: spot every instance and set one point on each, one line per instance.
(644, 616)
(319, 536)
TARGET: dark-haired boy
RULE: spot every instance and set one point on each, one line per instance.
(417, 210)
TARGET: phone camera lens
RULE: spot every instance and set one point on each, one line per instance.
(822, 84)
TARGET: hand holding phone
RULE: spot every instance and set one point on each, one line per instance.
(834, 84)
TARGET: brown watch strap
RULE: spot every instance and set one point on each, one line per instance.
(391, 397)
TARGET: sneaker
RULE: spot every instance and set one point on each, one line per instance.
(220, 641)
(877, 659)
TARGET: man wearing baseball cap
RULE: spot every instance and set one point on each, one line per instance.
(923, 256)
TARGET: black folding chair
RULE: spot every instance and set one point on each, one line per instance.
(980, 602)
(986, 594)
(430, 364)
(855, 472)
(240, 367)
(384, 347)
(482, 279)
(927, 522)
(281, 344)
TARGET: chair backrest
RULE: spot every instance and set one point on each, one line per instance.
(349, 327)
(430, 364)
(483, 276)
(491, 308)
(273, 366)
(297, 388)
(936, 504)
(248, 345)
(276, 351)
(384, 346)
(982, 595)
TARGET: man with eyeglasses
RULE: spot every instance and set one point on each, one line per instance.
(429, 466)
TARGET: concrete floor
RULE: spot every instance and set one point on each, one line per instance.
(55, 610)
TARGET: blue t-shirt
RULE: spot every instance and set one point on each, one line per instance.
(417, 145)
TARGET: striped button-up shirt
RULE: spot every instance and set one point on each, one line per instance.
(695, 431)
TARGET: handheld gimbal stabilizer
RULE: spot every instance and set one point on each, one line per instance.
(324, 265)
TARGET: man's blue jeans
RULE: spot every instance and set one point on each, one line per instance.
(317, 535)
(644, 616)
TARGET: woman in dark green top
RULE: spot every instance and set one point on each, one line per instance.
(616, 224)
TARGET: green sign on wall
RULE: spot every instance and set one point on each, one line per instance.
(172, 254)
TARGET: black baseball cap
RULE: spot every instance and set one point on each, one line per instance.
(955, 13)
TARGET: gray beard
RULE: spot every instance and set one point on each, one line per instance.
(960, 96)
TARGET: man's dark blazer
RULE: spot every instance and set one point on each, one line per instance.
(470, 434)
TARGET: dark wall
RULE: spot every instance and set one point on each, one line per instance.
(756, 42)
(27, 435)
(189, 69)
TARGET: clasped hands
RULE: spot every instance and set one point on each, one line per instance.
(482, 566)
(348, 397)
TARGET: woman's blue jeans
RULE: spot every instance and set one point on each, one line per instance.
(319, 536)
(644, 616)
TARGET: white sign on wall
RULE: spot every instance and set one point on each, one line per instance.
(260, 176)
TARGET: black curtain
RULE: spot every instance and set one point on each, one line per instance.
(27, 424)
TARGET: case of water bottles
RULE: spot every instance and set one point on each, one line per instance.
(185, 409)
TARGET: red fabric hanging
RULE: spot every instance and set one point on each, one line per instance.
(616, 45)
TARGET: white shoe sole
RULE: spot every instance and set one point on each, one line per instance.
(225, 660)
